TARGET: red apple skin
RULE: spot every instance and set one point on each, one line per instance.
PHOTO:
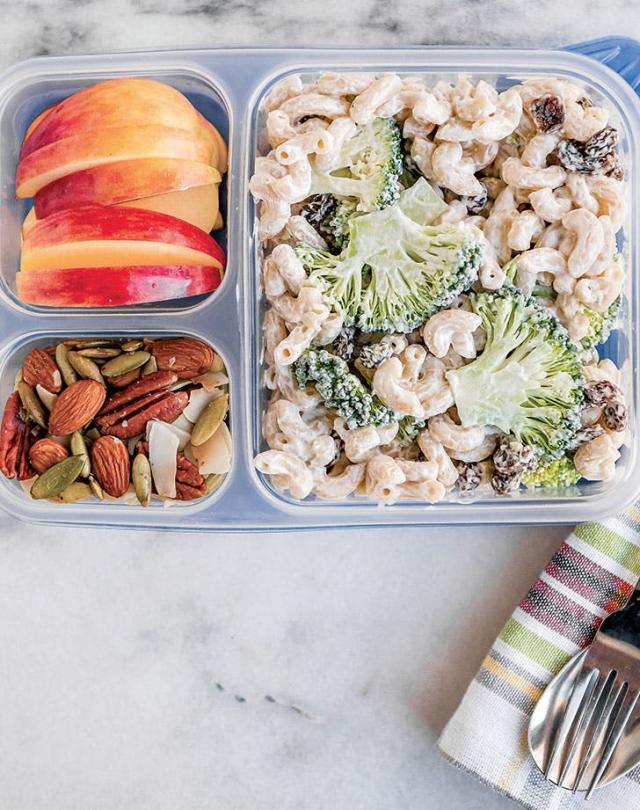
(84, 150)
(115, 286)
(99, 222)
(114, 103)
(37, 121)
(127, 180)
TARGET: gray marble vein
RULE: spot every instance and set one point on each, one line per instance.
(204, 672)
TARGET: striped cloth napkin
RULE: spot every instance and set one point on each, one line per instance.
(593, 574)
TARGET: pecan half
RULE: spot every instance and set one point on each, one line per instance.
(125, 380)
(158, 381)
(186, 357)
(189, 483)
(132, 419)
(14, 441)
(110, 464)
(126, 413)
(45, 453)
(39, 368)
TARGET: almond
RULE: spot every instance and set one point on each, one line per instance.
(45, 453)
(76, 406)
(186, 357)
(39, 368)
(110, 464)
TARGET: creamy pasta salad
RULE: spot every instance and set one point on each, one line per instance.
(439, 263)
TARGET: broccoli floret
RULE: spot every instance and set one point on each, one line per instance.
(368, 167)
(396, 271)
(601, 325)
(341, 390)
(527, 381)
(408, 429)
(561, 472)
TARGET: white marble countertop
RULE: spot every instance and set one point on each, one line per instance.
(283, 672)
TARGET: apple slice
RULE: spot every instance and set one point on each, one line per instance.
(123, 102)
(113, 183)
(197, 205)
(115, 286)
(221, 157)
(28, 222)
(103, 236)
(102, 146)
(38, 120)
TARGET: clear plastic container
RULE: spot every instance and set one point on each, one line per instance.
(227, 87)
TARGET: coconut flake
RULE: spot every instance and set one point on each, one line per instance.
(183, 423)
(46, 397)
(212, 379)
(163, 451)
(198, 401)
(183, 435)
(214, 456)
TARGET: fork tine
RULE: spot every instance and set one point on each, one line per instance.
(614, 737)
(601, 716)
(564, 728)
(582, 719)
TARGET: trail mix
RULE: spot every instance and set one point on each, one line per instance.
(129, 419)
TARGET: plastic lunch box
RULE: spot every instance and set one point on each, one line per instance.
(227, 86)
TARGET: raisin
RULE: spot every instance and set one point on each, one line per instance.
(595, 156)
(547, 113)
(318, 208)
(584, 435)
(374, 354)
(599, 393)
(502, 483)
(614, 416)
(344, 344)
(477, 203)
(513, 458)
(468, 476)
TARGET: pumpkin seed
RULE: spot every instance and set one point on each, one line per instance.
(79, 448)
(90, 343)
(18, 379)
(131, 345)
(92, 434)
(210, 420)
(32, 404)
(213, 481)
(141, 477)
(56, 479)
(125, 363)
(66, 369)
(78, 491)
(85, 367)
(96, 488)
(101, 352)
(150, 367)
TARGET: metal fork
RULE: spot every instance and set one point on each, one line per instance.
(585, 730)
